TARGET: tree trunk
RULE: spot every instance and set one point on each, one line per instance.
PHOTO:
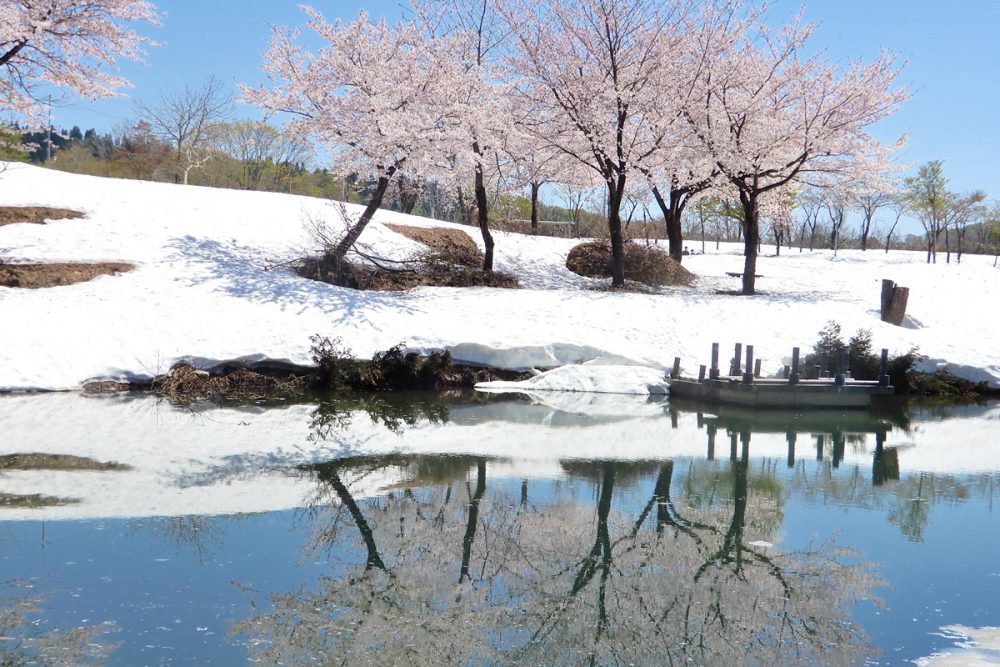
(408, 196)
(534, 207)
(482, 215)
(751, 236)
(947, 245)
(672, 211)
(329, 474)
(346, 243)
(470, 527)
(616, 192)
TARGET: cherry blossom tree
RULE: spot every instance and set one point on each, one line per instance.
(599, 69)
(772, 115)
(474, 29)
(379, 96)
(72, 44)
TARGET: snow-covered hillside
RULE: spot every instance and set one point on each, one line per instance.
(208, 287)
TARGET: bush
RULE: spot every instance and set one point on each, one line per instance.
(643, 263)
(864, 364)
(391, 370)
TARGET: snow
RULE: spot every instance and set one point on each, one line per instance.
(211, 460)
(209, 287)
(592, 378)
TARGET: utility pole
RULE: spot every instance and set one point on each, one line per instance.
(48, 134)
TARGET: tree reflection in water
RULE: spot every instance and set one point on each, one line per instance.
(485, 575)
(24, 641)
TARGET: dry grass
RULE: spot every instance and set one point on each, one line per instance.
(10, 215)
(34, 501)
(61, 462)
(643, 264)
(452, 259)
(185, 384)
(453, 244)
(37, 276)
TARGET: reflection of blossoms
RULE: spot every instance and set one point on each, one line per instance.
(463, 573)
(23, 643)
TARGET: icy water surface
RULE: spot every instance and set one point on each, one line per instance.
(562, 529)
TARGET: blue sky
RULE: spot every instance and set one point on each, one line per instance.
(953, 65)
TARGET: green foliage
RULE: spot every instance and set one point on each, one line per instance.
(11, 148)
(863, 362)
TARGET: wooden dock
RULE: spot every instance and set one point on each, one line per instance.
(744, 386)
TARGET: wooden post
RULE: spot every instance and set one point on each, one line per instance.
(676, 371)
(894, 300)
(838, 449)
(714, 371)
(701, 373)
(756, 368)
(819, 447)
(712, 430)
(790, 438)
(748, 369)
(793, 378)
(745, 442)
(734, 368)
(732, 445)
(883, 369)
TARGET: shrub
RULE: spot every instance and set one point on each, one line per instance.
(864, 364)
(391, 370)
(643, 263)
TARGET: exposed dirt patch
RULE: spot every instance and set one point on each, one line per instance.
(35, 214)
(36, 276)
(453, 244)
(34, 501)
(56, 462)
(644, 264)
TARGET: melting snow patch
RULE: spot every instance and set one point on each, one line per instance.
(600, 379)
(973, 646)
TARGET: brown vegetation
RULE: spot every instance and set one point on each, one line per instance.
(454, 244)
(186, 384)
(452, 259)
(36, 276)
(33, 501)
(644, 264)
(60, 462)
(35, 214)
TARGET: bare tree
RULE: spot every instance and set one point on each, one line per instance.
(260, 149)
(184, 120)
(869, 203)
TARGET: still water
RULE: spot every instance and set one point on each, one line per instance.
(472, 529)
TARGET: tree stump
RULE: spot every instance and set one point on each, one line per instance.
(894, 300)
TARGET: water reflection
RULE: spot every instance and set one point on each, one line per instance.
(465, 571)
(23, 642)
(467, 529)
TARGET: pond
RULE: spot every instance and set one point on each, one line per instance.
(476, 529)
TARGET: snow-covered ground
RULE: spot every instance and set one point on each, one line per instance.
(209, 288)
(226, 460)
